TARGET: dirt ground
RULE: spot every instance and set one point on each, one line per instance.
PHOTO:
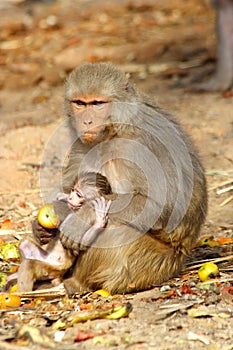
(163, 44)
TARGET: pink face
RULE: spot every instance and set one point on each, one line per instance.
(75, 199)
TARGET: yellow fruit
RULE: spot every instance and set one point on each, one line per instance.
(14, 288)
(120, 311)
(7, 299)
(207, 271)
(102, 293)
(47, 217)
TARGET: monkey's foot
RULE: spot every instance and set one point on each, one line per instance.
(72, 286)
(213, 84)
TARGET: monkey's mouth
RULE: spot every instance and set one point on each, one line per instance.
(89, 136)
(94, 134)
(74, 207)
(89, 133)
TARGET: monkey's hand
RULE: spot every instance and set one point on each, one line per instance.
(42, 235)
(61, 196)
(101, 211)
(101, 218)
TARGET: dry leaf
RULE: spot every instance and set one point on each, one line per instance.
(202, 338)
(205, 312)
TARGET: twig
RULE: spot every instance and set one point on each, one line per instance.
(226, 201)
(201, 262)
(218, 173)
(159, 67)
(224, 190)
(58, 291)
(217, 280)
(221, 185)
(13, 232)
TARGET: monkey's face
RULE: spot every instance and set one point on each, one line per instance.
(75, 199)
(91, 116)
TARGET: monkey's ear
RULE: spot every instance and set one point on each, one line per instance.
(127, 76)
(129, 86)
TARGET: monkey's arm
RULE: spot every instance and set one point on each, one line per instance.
(74, 227)
(80, 229)
(101, 212)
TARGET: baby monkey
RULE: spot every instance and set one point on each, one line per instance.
(53, 260)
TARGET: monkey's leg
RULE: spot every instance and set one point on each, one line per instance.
(133, 267)
(26, 276)
(148, 263)
(223, 78)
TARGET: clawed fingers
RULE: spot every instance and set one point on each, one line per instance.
(107, 207)
(101, 205)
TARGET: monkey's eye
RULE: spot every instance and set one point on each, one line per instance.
(79, 103)
(98, 104)
(72, 189)
(79, 194)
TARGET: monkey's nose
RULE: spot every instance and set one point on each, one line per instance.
(87, 122)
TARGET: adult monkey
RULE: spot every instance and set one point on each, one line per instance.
(152, 166)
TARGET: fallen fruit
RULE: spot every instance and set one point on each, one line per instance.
(207, 271)
(120, 311)
(102, 293)
(47, 217)
(9, 300)
(14, 288)
(207, 241)
(9, 251)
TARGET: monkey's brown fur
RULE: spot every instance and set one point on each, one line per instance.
(107, 111)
